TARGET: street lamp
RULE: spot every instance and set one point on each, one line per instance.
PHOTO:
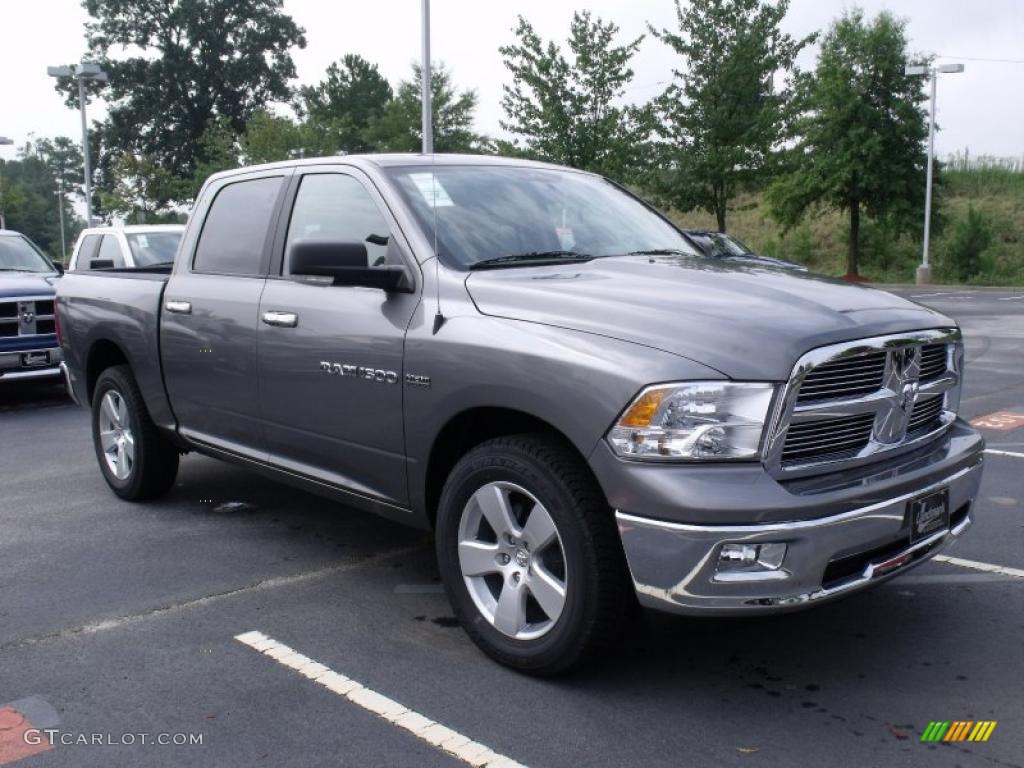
(924, 272)
(84, 71)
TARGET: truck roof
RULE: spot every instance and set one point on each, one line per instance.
(385, 160)
(134, 228)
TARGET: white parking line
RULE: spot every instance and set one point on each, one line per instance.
(1012, 298)
(452, 742)
(1005, 453)
(987, 567)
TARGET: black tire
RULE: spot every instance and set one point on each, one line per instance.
(597, 590)
(154, 467)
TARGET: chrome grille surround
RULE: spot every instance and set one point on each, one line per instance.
(19, 316)
(891, 405)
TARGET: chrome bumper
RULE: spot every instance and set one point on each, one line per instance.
(66, 375)
(12, 369)
(675, 566)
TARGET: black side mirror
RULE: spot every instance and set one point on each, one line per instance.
(346, 263)
(59, 267)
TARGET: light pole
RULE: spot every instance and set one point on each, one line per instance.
(427, 93)
(3, 221)
(924, 272)
(60, 209)
(84, 71)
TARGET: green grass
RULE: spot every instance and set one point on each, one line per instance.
(820, 241)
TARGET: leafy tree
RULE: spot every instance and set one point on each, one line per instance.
(340, 108)
(399, 127)
(862, 132)
(971, 238)
(142, 190)
(723, 118)
(196, 60)
(29, 193)
(568, 111)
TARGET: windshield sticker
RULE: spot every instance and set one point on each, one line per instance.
(430, 187)
(142, 240)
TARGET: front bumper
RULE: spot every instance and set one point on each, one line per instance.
(13, 367)
(675, 565)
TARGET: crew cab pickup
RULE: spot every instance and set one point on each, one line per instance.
(537, 365)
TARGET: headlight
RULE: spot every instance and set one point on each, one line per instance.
(699, 420)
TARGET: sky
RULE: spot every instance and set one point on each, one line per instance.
(982, 109)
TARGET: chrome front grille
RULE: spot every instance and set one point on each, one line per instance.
(26, 316)
(847, 403)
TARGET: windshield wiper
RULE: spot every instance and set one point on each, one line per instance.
(530, 257)
(661, 252)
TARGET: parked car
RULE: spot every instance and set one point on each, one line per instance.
(140, 245)
(539, 367)
(719, 245)
(28, 340)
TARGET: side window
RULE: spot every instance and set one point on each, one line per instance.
(87, 252)
(333, 206)
(236, 226)
(110, 250)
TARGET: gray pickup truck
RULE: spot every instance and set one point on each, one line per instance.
(537, 365)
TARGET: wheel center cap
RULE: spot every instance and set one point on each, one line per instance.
(522, 558)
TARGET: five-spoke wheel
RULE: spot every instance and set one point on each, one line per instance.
(512, 560)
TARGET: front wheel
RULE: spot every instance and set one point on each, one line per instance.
(136, 460)
(529, 554)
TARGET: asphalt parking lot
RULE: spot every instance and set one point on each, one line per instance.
(121, 619)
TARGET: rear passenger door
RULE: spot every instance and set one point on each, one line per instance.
(324, 417)
(209, 313)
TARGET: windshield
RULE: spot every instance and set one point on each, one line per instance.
(149, 248)
(17, 254)
(486, 213)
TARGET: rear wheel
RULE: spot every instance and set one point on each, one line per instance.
(529, 554)
(136, 460)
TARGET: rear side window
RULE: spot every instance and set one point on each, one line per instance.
(235, 230)
(87, 252)
(110, 250)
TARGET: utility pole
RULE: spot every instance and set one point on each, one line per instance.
(427, 85)
(3, 220)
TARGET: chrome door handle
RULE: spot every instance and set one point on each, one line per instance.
(281, 319)
(180, 307)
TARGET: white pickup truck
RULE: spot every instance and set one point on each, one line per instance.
(141, 245)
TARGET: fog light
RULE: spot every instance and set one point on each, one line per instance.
(740, 558)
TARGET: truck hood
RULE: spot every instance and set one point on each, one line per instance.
(748, 322)
(15, 284)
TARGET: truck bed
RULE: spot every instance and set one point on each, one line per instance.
(105, 311)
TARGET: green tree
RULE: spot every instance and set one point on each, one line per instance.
(339, 109)
(862, 132)
(195, 60)
(399, 127)
(569, 112)
(724, 116)
(142, 191)
(30, 198)
(971, 238)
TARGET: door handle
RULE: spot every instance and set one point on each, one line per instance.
(179, 307)
(281, 319)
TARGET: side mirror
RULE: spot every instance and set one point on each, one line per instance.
(59, 267)
(346, 263)
(101, 264)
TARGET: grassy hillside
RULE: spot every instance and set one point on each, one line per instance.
(820, 242)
